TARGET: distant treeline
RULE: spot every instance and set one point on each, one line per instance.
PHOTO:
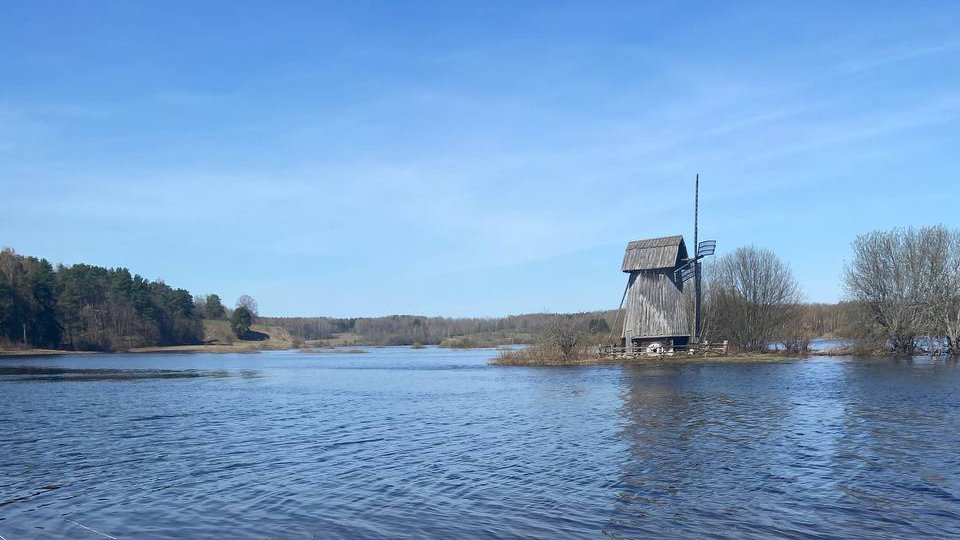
(828, 320)
(84, 307)
(412, 329)
(819, 320)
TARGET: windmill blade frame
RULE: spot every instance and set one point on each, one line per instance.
(706, 248)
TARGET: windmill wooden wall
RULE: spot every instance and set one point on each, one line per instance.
(655, 309)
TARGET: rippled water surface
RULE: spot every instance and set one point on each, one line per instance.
(402, 443)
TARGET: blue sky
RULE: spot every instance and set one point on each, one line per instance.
(476, 159)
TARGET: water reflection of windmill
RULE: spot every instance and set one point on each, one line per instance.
(655, 316)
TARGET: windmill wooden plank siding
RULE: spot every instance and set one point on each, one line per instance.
(655, 310)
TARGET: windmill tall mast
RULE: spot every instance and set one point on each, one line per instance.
(696, 268)
(691, 268)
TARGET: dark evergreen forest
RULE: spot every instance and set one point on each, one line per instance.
(85, 307)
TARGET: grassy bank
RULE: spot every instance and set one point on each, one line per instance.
(542, 355)
(219, 338)
(343, 339)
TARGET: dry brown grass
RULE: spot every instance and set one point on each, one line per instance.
(345, 339)
(543, 355)
(219, 338)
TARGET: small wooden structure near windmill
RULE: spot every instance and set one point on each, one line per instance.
(655, 316)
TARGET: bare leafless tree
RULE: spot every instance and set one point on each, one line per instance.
(950, 310)
(566, 334)
(248, 302)
(907, 282)
(753, 300)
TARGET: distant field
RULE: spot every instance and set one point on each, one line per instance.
(488, 339)
(218, 338)
(468, 341)
(346, 339)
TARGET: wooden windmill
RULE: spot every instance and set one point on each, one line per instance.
(655, 313)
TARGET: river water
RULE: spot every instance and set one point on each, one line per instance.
(432, 443)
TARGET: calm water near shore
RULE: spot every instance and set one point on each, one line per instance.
(403, 443)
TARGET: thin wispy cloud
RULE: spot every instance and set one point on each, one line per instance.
(902, 53)
(832, 134)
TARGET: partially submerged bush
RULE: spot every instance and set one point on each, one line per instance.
(565, 341)
(541, 355)
(907, 285)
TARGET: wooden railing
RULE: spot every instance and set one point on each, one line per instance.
(634, 351)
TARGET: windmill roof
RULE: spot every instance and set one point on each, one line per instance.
(654, 253)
